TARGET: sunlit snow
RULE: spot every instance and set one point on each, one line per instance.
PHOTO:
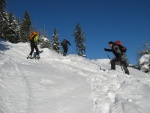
(71, 84)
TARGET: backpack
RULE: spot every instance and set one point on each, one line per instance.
(32, 36)
(64, 42)
(121, 47)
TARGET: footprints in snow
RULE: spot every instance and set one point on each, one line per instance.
(104, 90)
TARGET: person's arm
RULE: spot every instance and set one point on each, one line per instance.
(68, 42)
(109, 50)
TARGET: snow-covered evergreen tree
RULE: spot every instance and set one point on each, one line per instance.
(9, 27)
(18, 29)
(79, 40)
(146, 49)
(3, 19)
(144, 61)
(55, 43)
(25, 27)
(45, 42)
(13, 30)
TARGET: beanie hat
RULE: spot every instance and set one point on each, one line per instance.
(111, 42)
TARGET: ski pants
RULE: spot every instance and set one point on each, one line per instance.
(123, 65)
(65, 50)
(34, 46)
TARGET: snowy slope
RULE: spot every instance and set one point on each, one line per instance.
(71, 84)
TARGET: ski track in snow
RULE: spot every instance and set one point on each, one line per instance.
(15, 74)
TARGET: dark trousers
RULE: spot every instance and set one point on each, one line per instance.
(65, 50)
(34, 46)
(122, 64)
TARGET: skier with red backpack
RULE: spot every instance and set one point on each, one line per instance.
(64, 44)
(119, 51)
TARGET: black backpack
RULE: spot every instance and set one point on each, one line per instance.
(64, 42)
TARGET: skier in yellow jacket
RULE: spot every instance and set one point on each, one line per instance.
(34, 39)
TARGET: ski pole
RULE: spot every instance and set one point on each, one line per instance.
(97, 65)
(107, 55)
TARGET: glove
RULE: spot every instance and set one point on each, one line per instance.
(105, 49)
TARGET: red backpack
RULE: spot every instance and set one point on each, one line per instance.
(121, 47)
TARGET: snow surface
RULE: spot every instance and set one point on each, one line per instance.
(71, 84)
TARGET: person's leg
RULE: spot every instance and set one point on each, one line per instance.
(32, 50)
(124, 65)
(113, 66)
(65, 51)
(37, 50)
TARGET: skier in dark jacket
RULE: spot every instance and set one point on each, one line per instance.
(119, 57)
(64, 44)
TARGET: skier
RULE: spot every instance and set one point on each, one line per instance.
(34, 39)
(64, 44)
(119, 57)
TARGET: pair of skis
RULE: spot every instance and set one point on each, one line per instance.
(33, 57)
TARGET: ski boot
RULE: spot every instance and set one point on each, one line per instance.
(29, 57)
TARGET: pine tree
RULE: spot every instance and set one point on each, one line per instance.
(79, 40)
(3, 19)
(45, 42)
(55, 44)
(18, 29)
(145, 53)
(25, 27)
(13, 30)
(146, 49)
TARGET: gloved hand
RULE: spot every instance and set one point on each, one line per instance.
(105, 49)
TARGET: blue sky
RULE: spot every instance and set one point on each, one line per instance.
(101, 21)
